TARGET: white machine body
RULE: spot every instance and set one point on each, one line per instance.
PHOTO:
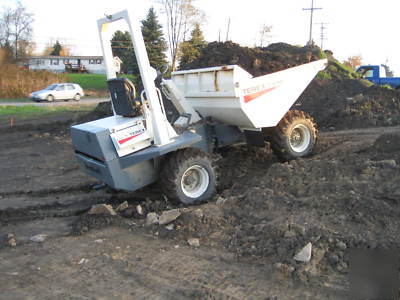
(232, 96)
(161, 132)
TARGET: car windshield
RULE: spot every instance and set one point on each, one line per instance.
(51, 87)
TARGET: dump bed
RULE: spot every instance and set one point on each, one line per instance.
(231, 95)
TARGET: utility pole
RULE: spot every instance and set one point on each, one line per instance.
(323, 35)
(311, 9)
(227, 31)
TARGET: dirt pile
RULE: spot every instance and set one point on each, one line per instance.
(266, 212)
(351, 201)
(350, 103)
(336, 98)
(256, 61)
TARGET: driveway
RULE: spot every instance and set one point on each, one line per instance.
(84, 101)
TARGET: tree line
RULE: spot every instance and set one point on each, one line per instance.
(184, 49)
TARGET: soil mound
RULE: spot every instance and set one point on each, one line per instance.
(256, 61)
(337, 98)
(350, 103)
(350, 202)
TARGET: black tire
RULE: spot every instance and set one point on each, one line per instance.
(50, 98)
(185, 164)
(295, 136)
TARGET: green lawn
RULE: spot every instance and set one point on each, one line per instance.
(93, 81)
(31, 110)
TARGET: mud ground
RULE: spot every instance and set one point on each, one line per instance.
(344, 196)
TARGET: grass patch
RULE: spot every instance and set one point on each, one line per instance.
(322, 55)
(387, 86)
(324, 75)
(94, 81)
(32, 110)
(345, 70)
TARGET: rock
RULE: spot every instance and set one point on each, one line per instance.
(83, 261)
(151, 218)
(139, 209)
(391, 163)
(305, 254)
(124, 205)
(102, 209)
(334, 258)
(39, 238)
(341, 245)
(284, 267)
(298, 229)
(198, 213)
(290, 234)
(170, 227)
(99, 241)
(99, 186)
(221, 201)
(169, 216)
(194, 242)
(11, 240)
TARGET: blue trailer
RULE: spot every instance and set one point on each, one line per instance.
(377, 75)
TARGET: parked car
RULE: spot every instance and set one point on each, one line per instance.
(63, 91)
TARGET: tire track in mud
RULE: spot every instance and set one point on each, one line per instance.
(61, 202)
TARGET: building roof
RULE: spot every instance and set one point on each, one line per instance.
(65, 57)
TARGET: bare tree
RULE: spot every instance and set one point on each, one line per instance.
(21, 26)
(16, 28)
(192, 16)
(265, 34)
(181, 15)
(5, 27)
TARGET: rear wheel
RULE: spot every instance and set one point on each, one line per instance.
(188, 176)
(50, 98)
(294, 136)
(77, 97)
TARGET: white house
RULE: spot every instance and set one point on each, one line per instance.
(59, 64)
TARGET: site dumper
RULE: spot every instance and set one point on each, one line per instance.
(217, 107)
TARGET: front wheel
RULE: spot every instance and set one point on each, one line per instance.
(295, 136)
(77, 97)
(188, 176)
(50, 98)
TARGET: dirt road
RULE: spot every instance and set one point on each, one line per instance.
(42, 192)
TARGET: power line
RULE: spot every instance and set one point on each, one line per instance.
(311, 9)
(323, 33)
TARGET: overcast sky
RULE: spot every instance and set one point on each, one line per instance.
(355, 27)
